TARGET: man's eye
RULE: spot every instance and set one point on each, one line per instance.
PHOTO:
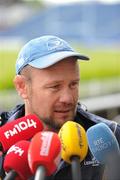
(74, 84)
(55, 87)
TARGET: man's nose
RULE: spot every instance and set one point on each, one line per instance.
(66, 96)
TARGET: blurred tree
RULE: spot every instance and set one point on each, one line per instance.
(11, 2)
(4, 2)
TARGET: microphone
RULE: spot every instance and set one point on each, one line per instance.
(20, 129)
(102, 142)
(44, 154)
(16, 161)
(74, 146)
(105, 148)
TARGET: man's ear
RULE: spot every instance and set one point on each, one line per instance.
(20, 85)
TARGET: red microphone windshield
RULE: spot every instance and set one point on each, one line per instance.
(20, 129)
(44, 150)
(17, 159)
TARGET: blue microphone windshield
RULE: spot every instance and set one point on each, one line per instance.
(102, 142)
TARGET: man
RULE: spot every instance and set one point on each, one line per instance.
(47, 79)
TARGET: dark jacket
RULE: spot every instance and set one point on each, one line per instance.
(90, 168)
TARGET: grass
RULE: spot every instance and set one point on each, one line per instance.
(103, 64)
(7, 69)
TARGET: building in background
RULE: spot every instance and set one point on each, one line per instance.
(91, 23)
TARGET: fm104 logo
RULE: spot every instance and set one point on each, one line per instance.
(21, 126)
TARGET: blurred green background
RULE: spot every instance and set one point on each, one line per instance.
(103, 65)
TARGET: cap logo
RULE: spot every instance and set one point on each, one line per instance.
(53, 44)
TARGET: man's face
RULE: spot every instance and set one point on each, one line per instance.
(53, 93)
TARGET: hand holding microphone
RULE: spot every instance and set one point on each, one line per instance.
(74, 146)
(16, 162)
(44, 154)
(20, 129)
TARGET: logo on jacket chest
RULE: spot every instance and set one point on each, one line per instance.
(91, 162)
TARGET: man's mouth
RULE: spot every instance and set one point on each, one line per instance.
(62, 111)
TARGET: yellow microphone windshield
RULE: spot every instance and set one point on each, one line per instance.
(74, 141)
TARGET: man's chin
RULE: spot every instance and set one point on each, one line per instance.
(56, 123)
(60, 122)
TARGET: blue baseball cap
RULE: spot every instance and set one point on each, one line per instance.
(45, 51)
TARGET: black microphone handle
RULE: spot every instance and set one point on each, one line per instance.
(1, 148)
(76, 171)
(40, 173)
(11, 175)
(112, 170)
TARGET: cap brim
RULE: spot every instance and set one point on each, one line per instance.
(49, 60)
